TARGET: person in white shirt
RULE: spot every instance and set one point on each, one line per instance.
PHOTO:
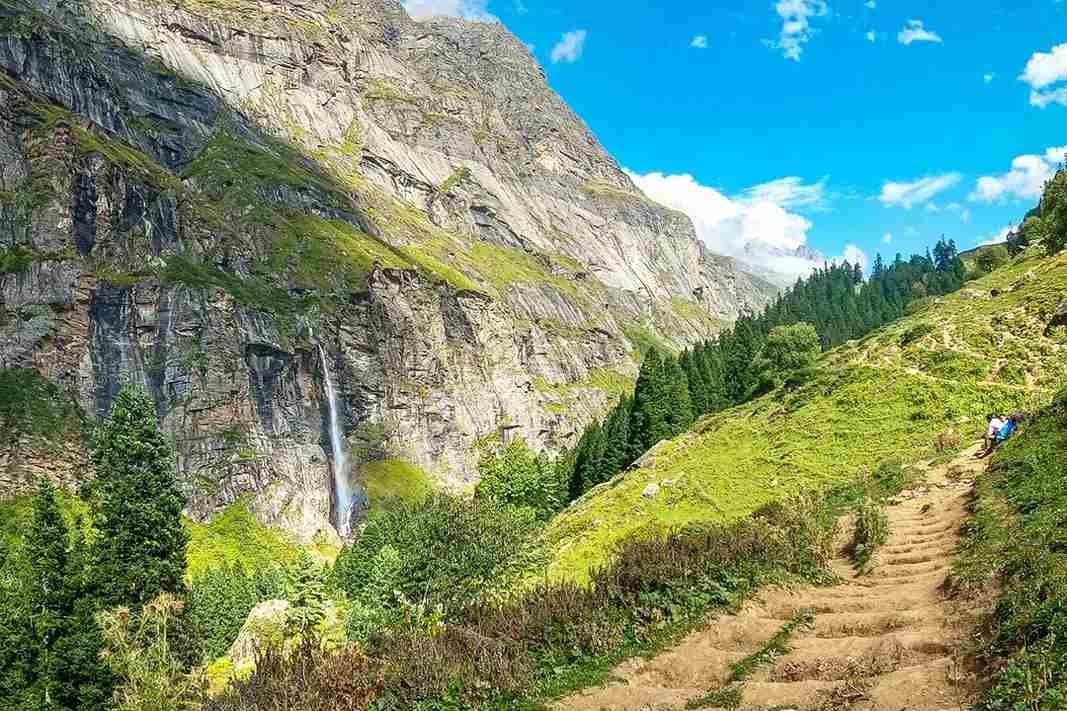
(995, 423)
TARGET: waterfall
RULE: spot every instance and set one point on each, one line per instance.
(344, 496)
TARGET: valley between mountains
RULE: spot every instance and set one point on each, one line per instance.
(342, 368)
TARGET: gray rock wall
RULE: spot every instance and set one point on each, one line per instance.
(192, 198)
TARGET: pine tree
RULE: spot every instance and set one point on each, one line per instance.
(739, 350)
(678, 404)
(585, 462)
(648, 424)
(50, 597)
(617, 445)
(87, 680)
(49, 642)
(141, 549)
(698, 389)
(711, 370)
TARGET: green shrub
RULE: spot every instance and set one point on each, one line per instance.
(557, 636)
(448, 550)
(916, 333)
(516, 476)
(992, 258)
(788, 355)
(871, 532)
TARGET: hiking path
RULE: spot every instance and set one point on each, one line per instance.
(887, 640)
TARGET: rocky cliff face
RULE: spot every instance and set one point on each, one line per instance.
(195, 194)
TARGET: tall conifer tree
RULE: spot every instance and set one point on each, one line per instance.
(141, 550)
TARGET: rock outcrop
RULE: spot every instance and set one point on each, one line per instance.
(195, 195)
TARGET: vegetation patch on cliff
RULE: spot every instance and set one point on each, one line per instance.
(391, 481)
(32, 406)
(236, 536)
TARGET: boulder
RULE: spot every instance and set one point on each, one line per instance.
(265, 625)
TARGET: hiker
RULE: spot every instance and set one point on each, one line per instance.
(1006, 431)
(996, 423)
(1010, 425)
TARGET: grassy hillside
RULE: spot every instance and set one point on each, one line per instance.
(1017, 540)
(891, 395)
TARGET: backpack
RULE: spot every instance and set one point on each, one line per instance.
(1007, 430)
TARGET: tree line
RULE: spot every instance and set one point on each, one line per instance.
(1047, 222)
(77, 587)
(831, 306)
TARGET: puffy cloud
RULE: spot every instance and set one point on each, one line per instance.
(855, 255)
(871, 4)
(988, 77)
(1046, 68)
(1042, 99)
(796, 25)
(790, 193)
(910, 193)
(1025, 181)
(998, 238)
(467, 9)
(871, 36)
(700, 42)
(569, 49)
(915, 31)
(887, 238)
(755, 226)
(1045, 72)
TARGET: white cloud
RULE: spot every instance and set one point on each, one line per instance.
(988, 77)
(998, 238)
(569, 49)
(1042, 99)
(932, 207)
(1046, 68)
(854, 255)
(790, 193)
(871, 4)
(871, 36)
(1043, 72)
(915, 31)
(1025, 181)
(756, 225)
(910, 193)
(700, 42)
(796, 25)
(887, 238)
(965, 216)
(467, 9)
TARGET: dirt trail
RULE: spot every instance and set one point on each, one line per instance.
(883, 641)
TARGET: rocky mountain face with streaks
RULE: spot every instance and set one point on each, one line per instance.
(197, 195)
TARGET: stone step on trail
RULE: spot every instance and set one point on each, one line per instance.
(881, 641)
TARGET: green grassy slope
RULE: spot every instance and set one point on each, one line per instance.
(943, 367)
(1017, 540)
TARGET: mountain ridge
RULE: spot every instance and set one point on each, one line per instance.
(195, 208)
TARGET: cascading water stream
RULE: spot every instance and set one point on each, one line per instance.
(344, 495)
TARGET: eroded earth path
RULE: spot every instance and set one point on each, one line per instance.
(887, 640)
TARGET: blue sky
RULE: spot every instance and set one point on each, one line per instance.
(823, 122)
